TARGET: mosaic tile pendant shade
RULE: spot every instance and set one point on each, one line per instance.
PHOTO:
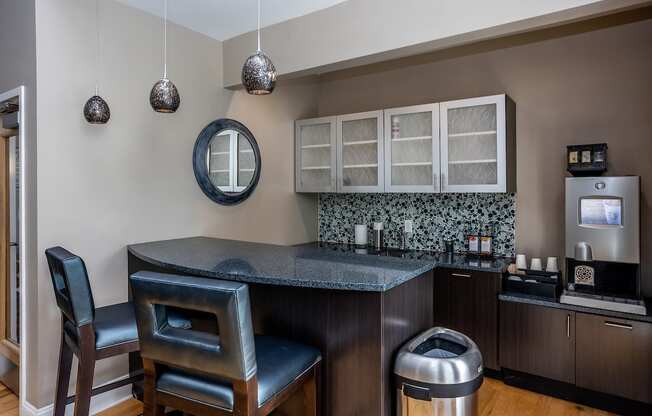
(164, 96)
(96, 109)
(258, 71)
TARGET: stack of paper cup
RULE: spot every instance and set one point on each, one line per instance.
(521, 261)
(551, 265)
(361, 235)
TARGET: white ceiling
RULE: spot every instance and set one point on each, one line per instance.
(224, 19)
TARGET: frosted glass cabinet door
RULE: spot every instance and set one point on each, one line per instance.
(315, 155)
(360, 152)
(474, 142)
(412, 149)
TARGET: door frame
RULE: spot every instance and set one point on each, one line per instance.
(22, 246)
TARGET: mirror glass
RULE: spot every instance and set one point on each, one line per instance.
(231, 162)
(227, 161)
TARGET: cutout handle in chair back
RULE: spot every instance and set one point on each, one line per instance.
(229, 354)
(71, 286)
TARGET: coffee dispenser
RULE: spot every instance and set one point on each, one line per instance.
(603, 242)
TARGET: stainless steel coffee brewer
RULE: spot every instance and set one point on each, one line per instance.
(603, 243)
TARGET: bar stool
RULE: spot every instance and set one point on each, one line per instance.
(231, 372)
(90, 333)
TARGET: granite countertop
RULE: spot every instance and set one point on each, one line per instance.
(315, 265)
(534, 300)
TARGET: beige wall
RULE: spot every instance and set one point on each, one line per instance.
(358, 32)
(103, 187)
(581, 88)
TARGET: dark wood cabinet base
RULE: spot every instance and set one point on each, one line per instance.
(358, 334)
(575, 394)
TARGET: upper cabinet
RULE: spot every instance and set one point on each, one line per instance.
(478, 144)
(455, 146)
(412, 149)
(360, 152)
(315, 155)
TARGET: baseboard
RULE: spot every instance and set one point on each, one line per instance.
(98, 403)
(572, 393)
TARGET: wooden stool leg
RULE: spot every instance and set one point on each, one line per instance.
(63, 378)
(311, 394)
(85, 370)
(150, 407)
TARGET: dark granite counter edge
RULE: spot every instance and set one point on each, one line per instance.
(287, 281)
(533, 300)
(501, 269)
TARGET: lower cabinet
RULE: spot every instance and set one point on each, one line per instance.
(614, 356)
(593, 352)
(538, 340)
(467, 301)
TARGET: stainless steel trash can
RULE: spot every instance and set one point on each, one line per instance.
(438, 373)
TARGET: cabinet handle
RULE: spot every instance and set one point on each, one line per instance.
(617, 325)
(568, 326)
(460, 275)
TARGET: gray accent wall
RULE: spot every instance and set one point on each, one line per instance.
(583, 83)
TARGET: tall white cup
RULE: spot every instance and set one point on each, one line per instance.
(521, 261)
(536, 264)
(552, 265)
(361, 235)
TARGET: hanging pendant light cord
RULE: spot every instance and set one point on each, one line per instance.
(97, 47)
(165, 39)
(258, 25)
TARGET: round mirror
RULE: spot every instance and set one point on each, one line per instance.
(226, 161)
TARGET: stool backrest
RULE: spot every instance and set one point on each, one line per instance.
(71, 286)
(228, 352)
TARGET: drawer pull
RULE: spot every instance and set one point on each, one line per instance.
(617, 325)
(568, 326)
(460, 275)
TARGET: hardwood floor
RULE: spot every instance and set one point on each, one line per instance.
(496, 399)
(8, 402)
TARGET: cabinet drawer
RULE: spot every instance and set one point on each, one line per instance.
(614, 356)
(538, 340)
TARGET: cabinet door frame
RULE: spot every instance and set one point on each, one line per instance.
(537, 340)
(501, 145)
(380, 187)
(299, 187)
(388, 113)
(621, 364)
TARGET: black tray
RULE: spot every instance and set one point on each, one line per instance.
(541, 285)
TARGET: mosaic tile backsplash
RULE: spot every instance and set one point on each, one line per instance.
(436, 217)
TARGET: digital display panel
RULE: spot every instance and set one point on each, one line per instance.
(601, 211)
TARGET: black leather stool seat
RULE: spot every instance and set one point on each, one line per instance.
(279, 362)
(116, 324)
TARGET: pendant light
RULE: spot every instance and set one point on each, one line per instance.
(258, 72)
(164, 97)
(96, 110)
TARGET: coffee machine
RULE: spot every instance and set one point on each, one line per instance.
(603, 243)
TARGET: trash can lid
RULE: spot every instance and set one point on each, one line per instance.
(439, 356)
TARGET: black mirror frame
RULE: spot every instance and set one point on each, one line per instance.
(201, 170)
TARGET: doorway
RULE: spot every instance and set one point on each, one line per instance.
(11, 118)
